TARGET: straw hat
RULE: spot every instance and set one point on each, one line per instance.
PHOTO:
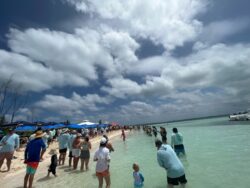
(39, 134)
(65, 130)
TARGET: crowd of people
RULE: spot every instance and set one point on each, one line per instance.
(77, 144)
(168, 154)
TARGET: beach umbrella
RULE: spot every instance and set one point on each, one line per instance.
(48, 127)
(26, 128)
(103, 125)
(75, 126)
(91, 126)
(59, 126)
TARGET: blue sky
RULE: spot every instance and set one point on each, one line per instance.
(127, 61)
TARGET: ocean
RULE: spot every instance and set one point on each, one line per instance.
(218, 156)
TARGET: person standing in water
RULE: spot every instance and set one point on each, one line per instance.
(155, 131)
(163, 133)
(168, 160)
(109, 144)
(123, 135)
(102, 157)
(177, 142)
(138, 177)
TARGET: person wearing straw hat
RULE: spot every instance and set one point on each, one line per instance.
(34, 152)
(9, 143)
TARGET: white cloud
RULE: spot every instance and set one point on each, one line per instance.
(217, 31)
(169, 22)
(76, 105)
(218, 67)
(75, 57)
(60, 51)
(31, 75)
(151, 65)
(121, 87)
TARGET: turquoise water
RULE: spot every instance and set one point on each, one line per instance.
(218, 156)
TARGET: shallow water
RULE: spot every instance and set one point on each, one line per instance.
(217, 156)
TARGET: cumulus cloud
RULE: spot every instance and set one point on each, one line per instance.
(67, 59)
(121, 87)
(170, 22)
(33, 76)
(218, 31)
(220, 66)
(60, 51)
(76, 105)
(102, 52)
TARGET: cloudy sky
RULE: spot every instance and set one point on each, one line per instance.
(127, 61)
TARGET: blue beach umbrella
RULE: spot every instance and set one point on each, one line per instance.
(59, 126)
(75, 126)
(91, 126)
(103, 125)
(26, 128)
(48, 127)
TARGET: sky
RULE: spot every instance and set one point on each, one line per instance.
(133, 61)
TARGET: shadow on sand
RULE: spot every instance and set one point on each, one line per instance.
(63, 167)
(46, 178)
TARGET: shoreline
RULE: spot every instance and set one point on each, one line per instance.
(18, 168)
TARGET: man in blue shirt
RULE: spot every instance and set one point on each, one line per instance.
(63, 141)
(168, 160)
(9, 144)
(33, 154)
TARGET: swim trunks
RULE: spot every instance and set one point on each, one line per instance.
(31, 167)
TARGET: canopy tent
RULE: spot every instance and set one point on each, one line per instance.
(57, 126)
(90, 126)
(86, 122)
(48, 127)
(103, 125)
(26, 128)
(75, 126)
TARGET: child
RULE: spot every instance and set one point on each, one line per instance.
(138, 177)
(53, 164)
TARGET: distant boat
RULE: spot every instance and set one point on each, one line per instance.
(241, 116)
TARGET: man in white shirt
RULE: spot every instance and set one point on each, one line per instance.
(168, 160)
